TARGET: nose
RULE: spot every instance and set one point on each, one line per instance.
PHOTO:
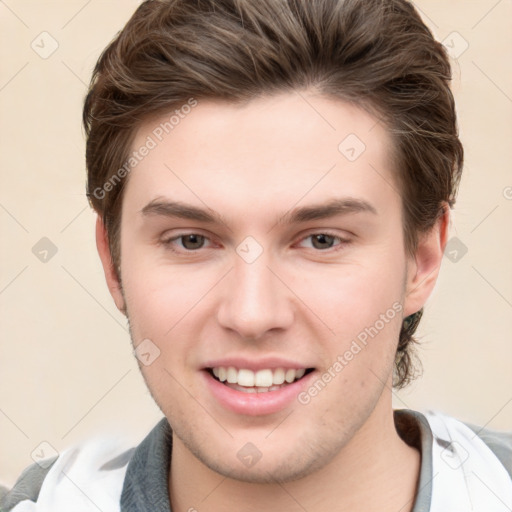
(255, 300)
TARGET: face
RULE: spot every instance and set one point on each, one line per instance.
(265, 278)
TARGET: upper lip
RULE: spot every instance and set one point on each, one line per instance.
(271, 363)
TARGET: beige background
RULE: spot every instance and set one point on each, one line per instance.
(67, 372)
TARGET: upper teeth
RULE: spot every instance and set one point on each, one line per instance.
(261, 378)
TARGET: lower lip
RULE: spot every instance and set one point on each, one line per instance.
(255, 404)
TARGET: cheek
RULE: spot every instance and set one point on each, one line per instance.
(361, 304)
(160, 297)
(349, 297)
(168, 306)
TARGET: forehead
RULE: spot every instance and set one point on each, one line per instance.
(272, 151)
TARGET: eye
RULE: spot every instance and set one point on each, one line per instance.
(193, 242)
(187, 242)
(324, 241)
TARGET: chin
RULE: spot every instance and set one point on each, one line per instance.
(265, 462)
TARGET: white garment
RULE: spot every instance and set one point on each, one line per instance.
(75, 483)
(467, 475)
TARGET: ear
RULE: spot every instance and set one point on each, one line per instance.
(423, 268)
(113, 283)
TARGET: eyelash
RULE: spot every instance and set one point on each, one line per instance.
(342, 242)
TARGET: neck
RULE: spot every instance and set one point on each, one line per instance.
(377, 470)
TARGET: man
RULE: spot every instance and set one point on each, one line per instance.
(273, 182)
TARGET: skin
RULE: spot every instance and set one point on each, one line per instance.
(253, 164)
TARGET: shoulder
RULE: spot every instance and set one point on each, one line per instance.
(468, 439)
(82, 469)
(463, 466)
(499, 442)
(27, 486)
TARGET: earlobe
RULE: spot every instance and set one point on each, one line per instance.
(423, 269)
(111, 276)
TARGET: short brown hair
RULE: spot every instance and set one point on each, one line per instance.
(377, 54)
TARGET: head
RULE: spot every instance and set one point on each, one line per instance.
(252, 111)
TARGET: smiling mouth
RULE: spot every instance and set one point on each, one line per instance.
(261, 381)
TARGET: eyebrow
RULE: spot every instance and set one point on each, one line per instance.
(334, 207)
